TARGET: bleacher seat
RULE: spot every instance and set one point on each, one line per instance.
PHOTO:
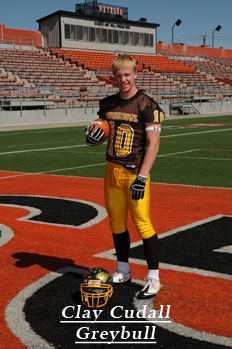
(65, 73)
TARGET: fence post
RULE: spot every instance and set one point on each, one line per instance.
(66, 104)
(2, 98)
(21, 102)
(44, 103)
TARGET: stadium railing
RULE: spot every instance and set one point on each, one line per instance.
(39, 78)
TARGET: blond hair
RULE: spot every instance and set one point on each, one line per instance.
(122, 61)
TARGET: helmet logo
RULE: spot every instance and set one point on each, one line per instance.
(103, 276)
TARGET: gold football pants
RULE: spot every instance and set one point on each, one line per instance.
(118, 202)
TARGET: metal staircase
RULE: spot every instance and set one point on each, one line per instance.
(183, 108)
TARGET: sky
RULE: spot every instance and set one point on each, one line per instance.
(199, 18)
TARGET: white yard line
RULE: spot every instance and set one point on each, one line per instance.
(180, 152)
(199, 158)
(196, 133)
(72, 168)
(59, 170)
(84, 145)
(190, 157)
(45, 149)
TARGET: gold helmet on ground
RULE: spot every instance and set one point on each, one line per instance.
(96, 287)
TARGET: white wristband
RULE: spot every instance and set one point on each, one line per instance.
(153, 128)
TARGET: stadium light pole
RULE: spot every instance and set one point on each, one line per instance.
(178, 22)
(217, 29)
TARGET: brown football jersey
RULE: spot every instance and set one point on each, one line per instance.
(127, 118)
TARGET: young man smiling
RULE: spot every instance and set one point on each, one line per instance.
(135, 123)
(125, 79)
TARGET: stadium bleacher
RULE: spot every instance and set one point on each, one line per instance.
(80, 77)
(36, 70)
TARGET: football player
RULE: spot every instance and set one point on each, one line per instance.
(135, 124)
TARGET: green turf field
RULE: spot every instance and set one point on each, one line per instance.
(190, 155)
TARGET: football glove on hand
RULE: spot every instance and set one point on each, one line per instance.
(138, 187)
(93, 135)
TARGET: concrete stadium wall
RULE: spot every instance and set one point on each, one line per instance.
(60, 115)
(8, 118)
(218, 106)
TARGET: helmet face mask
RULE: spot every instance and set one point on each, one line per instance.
(96, 288)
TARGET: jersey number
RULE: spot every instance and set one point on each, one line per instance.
(124, 139)
(158, 116)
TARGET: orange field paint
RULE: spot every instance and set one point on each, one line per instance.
(199, 302)
(217, 149)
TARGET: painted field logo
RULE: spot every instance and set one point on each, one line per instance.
(47, 245)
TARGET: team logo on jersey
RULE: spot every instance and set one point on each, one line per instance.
(122, 116)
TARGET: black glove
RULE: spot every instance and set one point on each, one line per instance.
(93, 135)
(138, 187)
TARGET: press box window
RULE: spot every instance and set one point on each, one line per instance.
(131, 42)
(136, 36)
(67, 31)
(73, 32)
(115, 36)
(104, 35)
(126, 38)
(98, 35)
(70, 32)
(146, 39)
(80, 33)
(120, 37)
(110, 36)
(92, 34)
(83, 33)
(141, 39)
